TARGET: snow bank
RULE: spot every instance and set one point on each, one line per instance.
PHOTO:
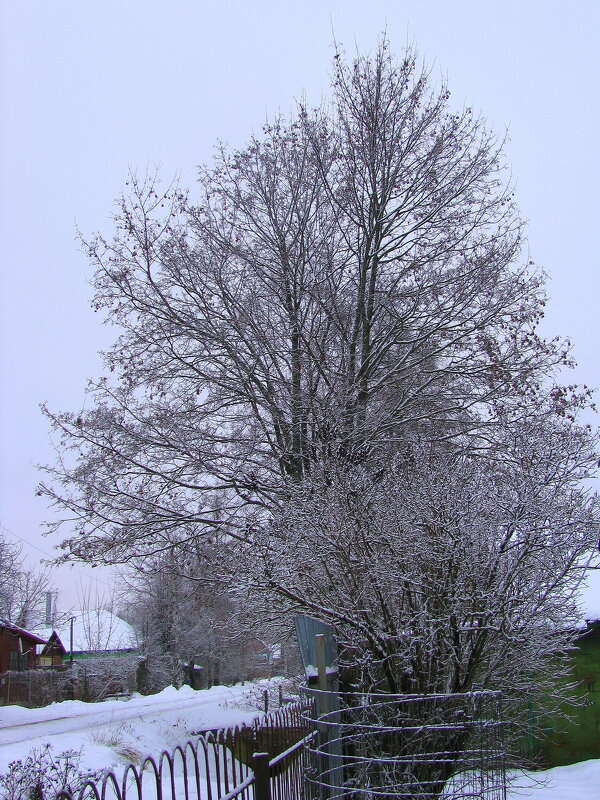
(111, 732)
(590, 596)
(575, 782)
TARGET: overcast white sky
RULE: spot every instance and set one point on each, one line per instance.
(89, 88)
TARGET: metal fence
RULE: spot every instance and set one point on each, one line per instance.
(330, 746)
(262, 761)
(446, 747)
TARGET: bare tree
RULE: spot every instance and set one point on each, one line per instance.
(186, 615)
(97, 625)
(333, 358)
(9, 566)
(22, 590)
(345, 280)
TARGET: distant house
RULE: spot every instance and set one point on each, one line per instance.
(96, 632)
(53, 653)
(18, 647)
(577, 738)
(261, 660)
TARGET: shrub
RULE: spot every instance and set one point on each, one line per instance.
(42, 775)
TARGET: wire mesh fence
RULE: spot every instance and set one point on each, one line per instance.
(447, 747)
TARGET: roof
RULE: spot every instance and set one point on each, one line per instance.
(53, 646)
(590, 596)
(15, 629)
(95, 630)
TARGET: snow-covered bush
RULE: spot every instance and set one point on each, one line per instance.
(42, 775)
(443, 572)
(107, 676)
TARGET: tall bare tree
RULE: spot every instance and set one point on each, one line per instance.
(348, 282)
(331, 356)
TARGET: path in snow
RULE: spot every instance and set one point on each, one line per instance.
(93, 718)
(148, 724)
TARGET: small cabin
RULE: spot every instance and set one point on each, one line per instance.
(18, 647)
(53, 653)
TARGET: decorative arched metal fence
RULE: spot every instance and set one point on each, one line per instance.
(262, 761)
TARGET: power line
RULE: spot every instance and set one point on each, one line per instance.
(30, 544)
(92, 575)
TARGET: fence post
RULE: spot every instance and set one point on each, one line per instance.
(262, 776)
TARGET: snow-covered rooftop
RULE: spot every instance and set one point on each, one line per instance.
(590, 596)
(94, 630)
(10, 626)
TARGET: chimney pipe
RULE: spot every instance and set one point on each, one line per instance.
(49, 609)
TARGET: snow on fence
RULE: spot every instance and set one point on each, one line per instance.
(332, 746)
(262, 761)
(446, 747)
(91, 680)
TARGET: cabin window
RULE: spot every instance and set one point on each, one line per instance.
(18, 661)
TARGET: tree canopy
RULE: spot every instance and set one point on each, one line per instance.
(349, 280)
(330, 354)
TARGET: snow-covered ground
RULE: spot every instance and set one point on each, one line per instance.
(576, 782)
(112, 733)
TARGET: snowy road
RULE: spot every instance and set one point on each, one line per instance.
(102, 731)
(82, 717)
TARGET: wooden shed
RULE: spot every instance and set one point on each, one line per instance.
(18, 647)
(53, 652)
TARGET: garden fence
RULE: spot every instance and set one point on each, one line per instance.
(430, 747)
(262, 761)
(90, 680)
(332, 746)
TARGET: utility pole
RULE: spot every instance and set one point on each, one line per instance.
(71, 658)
